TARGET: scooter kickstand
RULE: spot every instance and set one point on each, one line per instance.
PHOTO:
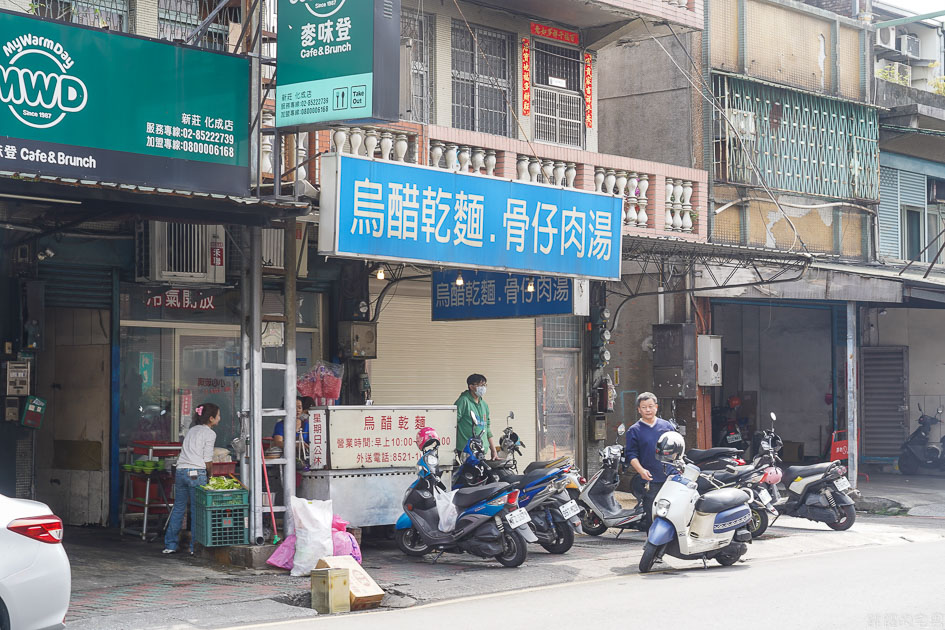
(438, 556)
(705, 562)
(619, 531)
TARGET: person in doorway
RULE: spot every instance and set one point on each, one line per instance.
(195, 459)
(641, 449)
(302, 405)
(472, 414)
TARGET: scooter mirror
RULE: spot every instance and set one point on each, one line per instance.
(511, 415)
(773, 417)
(939, 411)
(621, 429)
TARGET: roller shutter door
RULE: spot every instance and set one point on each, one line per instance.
(425, 362)
(885, 400)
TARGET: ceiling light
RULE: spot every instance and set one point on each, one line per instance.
(530, 287)
(380, 273)
(459, 278)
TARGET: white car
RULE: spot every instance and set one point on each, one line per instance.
(35, 577)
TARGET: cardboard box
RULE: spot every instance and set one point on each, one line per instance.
(365, 593)
(331, 591)
(793, 453)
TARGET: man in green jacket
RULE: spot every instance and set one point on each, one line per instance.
(469, 407)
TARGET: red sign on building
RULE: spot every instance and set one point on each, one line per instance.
(588, 90)
(526, 77)
(558, 34)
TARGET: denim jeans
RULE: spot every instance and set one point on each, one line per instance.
(185, 489)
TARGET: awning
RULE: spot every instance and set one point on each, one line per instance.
(153, 203)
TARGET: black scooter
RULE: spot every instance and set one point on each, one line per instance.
(918, 452)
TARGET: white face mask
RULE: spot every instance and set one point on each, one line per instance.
(481, 391)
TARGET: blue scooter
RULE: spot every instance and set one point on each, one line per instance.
(554, 516)
(489, 523)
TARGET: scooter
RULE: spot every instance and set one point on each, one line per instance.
(554, 516)
(505, 465)
(756, 478)
(691, 526)
(601, 510)
(819, 492)
(918, 451)
(489, 524)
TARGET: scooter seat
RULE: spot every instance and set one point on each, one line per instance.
(700, 455)
(466, 497)
(523, 481)
(793, 472)
(545, 464)
(720, 500)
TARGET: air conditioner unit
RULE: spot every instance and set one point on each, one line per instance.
(909, 45)
(273, 248)
(180, 253)
(886, 37)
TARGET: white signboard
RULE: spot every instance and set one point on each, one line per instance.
(385, 437)
(318, 428)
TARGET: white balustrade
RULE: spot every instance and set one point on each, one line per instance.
(668, 223)
(400, 147)
(631, 217)
(436, 152)
(642, 187)
(387, 143)
(478, 159)
(463, 157)
(687, 206)
(370, 142)
(265, 164)
(677, 205)
(489, 162)
(610, 177)
(534, 166)
(598, 179)
(570, 172)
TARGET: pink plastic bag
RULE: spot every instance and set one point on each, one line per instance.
(338, 524)
(345, 544)
(283, 556)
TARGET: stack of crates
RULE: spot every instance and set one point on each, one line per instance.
(222, 517)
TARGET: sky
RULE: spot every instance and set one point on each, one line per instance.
(919, 6)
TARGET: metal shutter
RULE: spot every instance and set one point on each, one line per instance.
(912, 189)
(70, 286)
(425, 362)
(889, 235)
(885, 372)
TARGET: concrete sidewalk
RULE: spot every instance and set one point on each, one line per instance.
(894, 493)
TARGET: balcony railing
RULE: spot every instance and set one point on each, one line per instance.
(659, 199)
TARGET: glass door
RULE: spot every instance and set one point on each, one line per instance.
(207, 371)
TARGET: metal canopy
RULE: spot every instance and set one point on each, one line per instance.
(673, 261)
(155, 203)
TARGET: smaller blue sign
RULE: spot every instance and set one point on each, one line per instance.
(495, 295)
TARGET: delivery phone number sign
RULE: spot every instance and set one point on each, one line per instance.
(385, 437)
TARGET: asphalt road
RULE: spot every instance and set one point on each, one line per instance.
(868, 588)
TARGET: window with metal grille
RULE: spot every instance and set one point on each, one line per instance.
(107, 14)
(177, 19)
(418, 29)
(482, 92)
(558, 105)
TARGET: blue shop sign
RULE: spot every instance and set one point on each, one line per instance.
(405, 213)
(495, 295)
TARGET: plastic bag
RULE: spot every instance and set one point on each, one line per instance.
(446, 510)
(282, 556)
(346, 545)
(323, 381)
(312, 534)
(339, 524)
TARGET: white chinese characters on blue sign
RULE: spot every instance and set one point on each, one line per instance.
(493, 295)
(394, 211)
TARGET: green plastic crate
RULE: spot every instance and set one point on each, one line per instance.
(222, 526)
(219, 498)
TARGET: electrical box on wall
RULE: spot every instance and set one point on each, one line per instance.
(597, 428)
(710, 360)
(674, 360)
(358, 340)
(17, 378)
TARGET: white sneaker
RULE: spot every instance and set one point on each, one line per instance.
(167, 551)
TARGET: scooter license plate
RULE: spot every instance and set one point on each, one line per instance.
(518, 518)
(570, 509)
(731, 438)
(842, 484)
(765, 496)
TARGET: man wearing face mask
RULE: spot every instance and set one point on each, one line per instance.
(469, 407)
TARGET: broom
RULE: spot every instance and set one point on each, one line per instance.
(272, 512)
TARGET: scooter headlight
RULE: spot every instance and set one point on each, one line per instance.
(662, 507)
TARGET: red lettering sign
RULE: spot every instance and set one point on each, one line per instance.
(588, 90)
(557, 34)
(526, 77)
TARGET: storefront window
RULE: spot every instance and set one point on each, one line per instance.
(167, 372)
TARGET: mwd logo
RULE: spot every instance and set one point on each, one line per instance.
(35, 82)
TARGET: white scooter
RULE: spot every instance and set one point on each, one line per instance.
(691, 526)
